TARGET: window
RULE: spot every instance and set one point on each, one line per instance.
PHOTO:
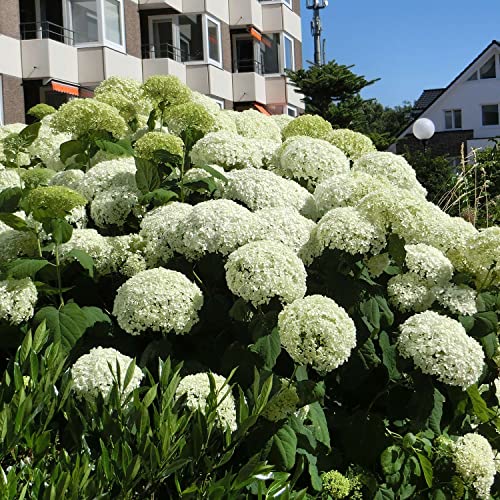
(246, 49)
(84, 20)
(270, 53)
(453, 119)
(289, 59)
(191, 37)
(163, 39)
(488, 69)
(112, 18)
(490, 114)
(214, 48)
(291, 111)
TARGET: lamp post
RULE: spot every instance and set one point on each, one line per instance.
(423, 130)
(316, 6)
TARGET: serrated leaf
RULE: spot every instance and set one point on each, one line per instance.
(268, 348)
(284, 447)
(60, 229)
(147, 176)
(158, 197)
(29, 134)
(437, 412)
(484, 323)
(84, 259)
(490, 344)
(392, 459)
(116, 148)
(25, 268)
(426, 469)
(389, 356)
(479, 405)
(9, 199)
(70, 148)
(320, 430)
(166, 157)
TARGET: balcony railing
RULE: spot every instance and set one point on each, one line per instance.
(248, 66)
(46, 29)
(165, 51)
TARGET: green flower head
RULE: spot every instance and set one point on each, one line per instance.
(189, 116)
(35, 177)
(146, 146)
(52, 202)
(309, 125)
(166, 89)
(125, 106)
(335, 484)
(41, 110)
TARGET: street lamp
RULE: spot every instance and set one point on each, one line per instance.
(423, 130)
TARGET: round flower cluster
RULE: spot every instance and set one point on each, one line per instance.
(309, 160)
(189, 116)
(282, 120)
(108, 175)
(154, 141)
(158, 299)
(47, 145)
(126, 254)
(335, 484)
(17, 300)
(93, 244)
(269, 148)
(80, 117)
(69, 178)
(127, 87)
(160, 229)
(261, 270)
(286, 225)
(378, 264)
(41, 110)
(255, 125)
(318, 332)
(353, 144)
(475, 463)
(52, 202)
(283, 404)
(391, 168)
(35, 177)
(124, 106)
(409, 292)
(166, 90)
(458, 299)
(429, 263)
(216, 226)
(16, 243)
(440, 346)
(11, 128)
(9, 178)
(196, 389)
(112, 207)
(309, 125)
(348, 230)
(227, 150)
(207, 102)
(96, 372)
(258, 189)
(223, 120)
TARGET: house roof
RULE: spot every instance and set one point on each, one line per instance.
(445, 90)
(427, 98)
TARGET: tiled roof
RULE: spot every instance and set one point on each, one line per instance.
(427, 98)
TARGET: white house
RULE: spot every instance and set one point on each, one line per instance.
(466, 111)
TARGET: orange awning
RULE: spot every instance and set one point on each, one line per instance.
(65, 89)
(261, 108)
(255, 34)
(266, 41)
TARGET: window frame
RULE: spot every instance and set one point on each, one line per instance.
(453, 119)
(286, 36)
(206, 41)
(2, 116)
(498, 114)
(475, 76)
(293, 109)
(281, 52)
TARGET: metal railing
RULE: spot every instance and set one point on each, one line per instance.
(165, 51)
(46, 29)
(248, 66)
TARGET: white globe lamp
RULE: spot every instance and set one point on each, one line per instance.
(423, 130)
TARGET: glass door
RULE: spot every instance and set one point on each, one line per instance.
(162, 39)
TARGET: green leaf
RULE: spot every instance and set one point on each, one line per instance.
(120, 148)
(490, 344)
(158, 197)
(426, 468)
(389, 356)
(284, 447)
(147, 176)
(60, 229)
(70, 148)
(150, 396)
(396, 249)
(484, 323)
(29, 134)
(152, 120)
(166, 157)
(392, 459)
(213, 172)
(479, 405)
(371, 313)
(268, 348)
(15, 222)
(24, 268)
(319, 425)
(9, 199)
(84, 259)
(241, 311)
(437, 412)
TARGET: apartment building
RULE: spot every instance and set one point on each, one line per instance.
(235, 51)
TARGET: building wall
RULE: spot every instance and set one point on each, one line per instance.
(132, 29)
(9, 19)
(13, 99)
(441, 144)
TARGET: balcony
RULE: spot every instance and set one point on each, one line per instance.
(164, 59)
(47, 52)
(249, 87)
(247, 13)
(160, 4)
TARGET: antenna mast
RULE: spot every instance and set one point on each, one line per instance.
(316, 6)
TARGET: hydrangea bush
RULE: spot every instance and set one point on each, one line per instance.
(196, 302)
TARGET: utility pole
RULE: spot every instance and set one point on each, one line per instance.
(316, 6)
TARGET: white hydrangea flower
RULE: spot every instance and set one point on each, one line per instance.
(17, 300)
(216, 226)
(261, 270)
(458, 299)
(196, 388)
(268, 148)
(346, 229)
(475, 463)
(160, 229)
(108, 175)
(440, 346)
(255, 125)
(378, 264)
(207, 102)
(391, 168)
(224, 121)
(94, 373)
(126, 254)
(158, 299)
(282, 120)
(9, 178)
(11, 128)
(15, 243)
(228, 150)
(286, 225)
(46, 145)
(429, 263)
(77, 217)
(309, 160)
(69, 178)
(409, 292)
(316, 331)
(353, 144)
(93, 244)
(113, 206)
(258, 189)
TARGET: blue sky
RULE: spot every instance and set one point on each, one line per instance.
(410, 45)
